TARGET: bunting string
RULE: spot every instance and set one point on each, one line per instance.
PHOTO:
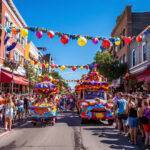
(105, 43)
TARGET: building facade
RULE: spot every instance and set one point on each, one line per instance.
(139, 60)
(128, 24)
(12, 71)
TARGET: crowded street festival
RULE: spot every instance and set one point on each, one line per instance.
(85, 87)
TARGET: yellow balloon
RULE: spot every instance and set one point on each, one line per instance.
(82, 41)
(23, 32)
(51, 78)
(63, 68)
(81, 67)
(117, 43)
(47, 65)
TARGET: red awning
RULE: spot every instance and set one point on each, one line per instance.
(6, 77)
(145, 76)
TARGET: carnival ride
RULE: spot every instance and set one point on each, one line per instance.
(44, 109)
(92, 102)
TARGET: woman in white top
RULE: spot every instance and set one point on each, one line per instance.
(9, 108)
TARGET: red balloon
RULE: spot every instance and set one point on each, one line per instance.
(56, 66)
(64, 39)
(87, 67)
(35, 62)
(139, 38)
(127, 40)
(105, 43)
(50, 34)
(74, 68)
(43, 65)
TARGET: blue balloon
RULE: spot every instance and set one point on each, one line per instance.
(8, 30)
(112, 40)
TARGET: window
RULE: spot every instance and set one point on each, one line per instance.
(144, 52)
(133, 57)
(124, 58)
(16, 56)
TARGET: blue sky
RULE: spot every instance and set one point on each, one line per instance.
(85, 17)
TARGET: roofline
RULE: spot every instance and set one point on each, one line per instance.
(16, 11)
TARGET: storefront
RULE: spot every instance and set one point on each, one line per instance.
(11, 82)
(144, 78)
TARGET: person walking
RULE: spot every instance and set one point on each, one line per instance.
(121, 111)
(146, 121)
(9, 114)
(133, 120)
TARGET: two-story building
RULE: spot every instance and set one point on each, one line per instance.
(139, 59)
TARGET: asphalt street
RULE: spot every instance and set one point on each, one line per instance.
(66, 134)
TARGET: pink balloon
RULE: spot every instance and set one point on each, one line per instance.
(39, 34)
(95, 40)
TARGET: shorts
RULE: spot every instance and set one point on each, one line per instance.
(122, 117)
(126, 122)
(133, 122)
(146, 127)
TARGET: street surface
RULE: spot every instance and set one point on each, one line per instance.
(67, 134)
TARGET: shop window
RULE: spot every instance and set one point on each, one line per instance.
(133, 57)
(144, 52)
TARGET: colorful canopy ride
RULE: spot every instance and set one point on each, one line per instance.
(92, 81)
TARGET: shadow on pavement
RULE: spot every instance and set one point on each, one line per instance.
(110, 136)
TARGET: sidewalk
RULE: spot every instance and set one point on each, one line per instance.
(15, 125)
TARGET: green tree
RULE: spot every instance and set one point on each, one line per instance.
(108, 66)
(31, 74)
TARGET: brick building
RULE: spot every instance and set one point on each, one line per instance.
(12, 81)
(128, 24)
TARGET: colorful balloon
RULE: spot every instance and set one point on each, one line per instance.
(64, 39)
(127, 40)
(81, 67)
(95, 40)
(62, 68)
(23, 32)
(74, 68)
(8, 30)
(47, 65)
(56, 66)
(82, 41)
(117, 41)
(87, 67)
(39, 34)
(53, 66)
(50, 34)
(106, 44)
(139, 39)
(43, 65)
(14, 31)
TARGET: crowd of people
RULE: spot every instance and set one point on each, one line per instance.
(14, 108)
(131, 112)
(132, 116)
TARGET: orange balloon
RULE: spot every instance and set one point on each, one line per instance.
(14, 31)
